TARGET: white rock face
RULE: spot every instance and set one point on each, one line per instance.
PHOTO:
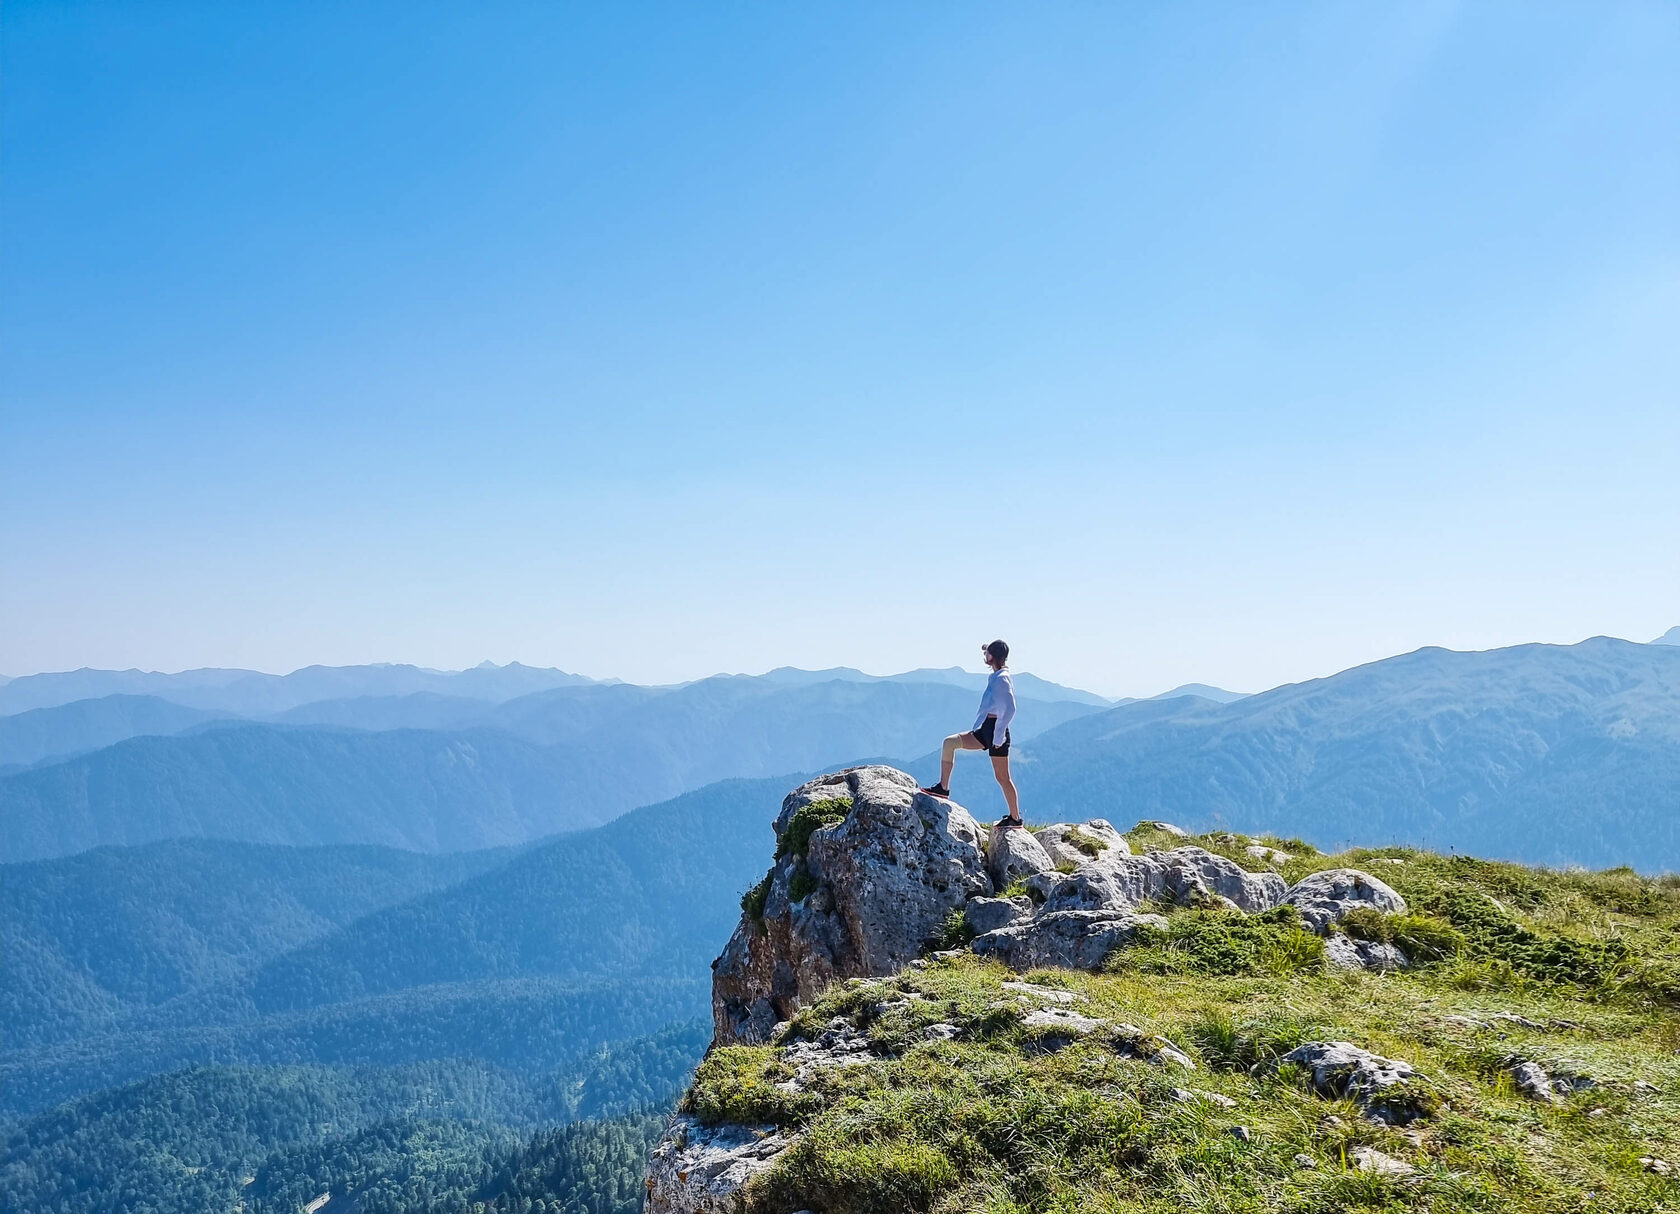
(696, 1170)
(990, 914)
(886, 879)
(1349, 954)
(1341, 1069)
(1063, 841)
(1325, 898)
(1075, 939)
(1178, 832)
(1269, 855)
(1186, 875)
(1013, 854)
(1369, 1159)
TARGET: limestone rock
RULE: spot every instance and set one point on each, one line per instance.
(1194, 871)
(1033, 993)
(1343, 952)
(886, 878)
(1537, 1083)
(1073, 843)
(1269, 855)
(1369, 1159)
(990, 914)
(1190, 876)
(701, 1170)
(1073, 939)
(1053, 1029)
(1377, 1085)
(1178, 832)
(1013, 854)
(1324, 898)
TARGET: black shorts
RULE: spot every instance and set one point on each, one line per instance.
(984, 736)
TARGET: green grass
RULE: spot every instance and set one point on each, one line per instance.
(1089, 844)
(807, 819)
(752, 902)
(988, 1122)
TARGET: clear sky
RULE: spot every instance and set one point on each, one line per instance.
(1228, 342)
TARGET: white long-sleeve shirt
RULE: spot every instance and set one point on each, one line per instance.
(998, 700)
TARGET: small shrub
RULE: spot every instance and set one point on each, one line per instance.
(954, 932)
(1088, 844)
(806, 820)
(737, 1083)
(1226, 1045)
(752, 902)
(1423, 938)
(801, 884)
(1222, 942)
(1020, 889)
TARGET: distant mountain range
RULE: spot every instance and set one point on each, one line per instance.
(1554, 754)
(473, 774)
(251, 692)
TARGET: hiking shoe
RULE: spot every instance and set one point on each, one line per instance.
(938, 790)
(1009, 823)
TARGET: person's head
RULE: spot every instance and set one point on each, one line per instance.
(996, 654)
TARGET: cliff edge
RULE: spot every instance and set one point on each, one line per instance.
(917, 1014)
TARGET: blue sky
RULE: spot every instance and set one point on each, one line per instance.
(1237, 343)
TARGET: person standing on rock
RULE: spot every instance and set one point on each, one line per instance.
(990, 733)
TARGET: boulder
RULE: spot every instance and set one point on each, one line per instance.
(1369, 1159)
(1325, 898)
(1189, 876)
(697, 1169)
(990, 914)
(1193, 874)
(1378, 1085)
(1076, 843)
(1268, 855)
(1013, 854)
(1537, 1083)
(882, 881)
(1343, 952)
(1166, 828)
(1072, 939)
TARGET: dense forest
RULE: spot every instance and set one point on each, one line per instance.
(437, 1135)
(192, 1025)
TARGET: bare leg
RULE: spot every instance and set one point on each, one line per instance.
(1000, 769)
(948, 755)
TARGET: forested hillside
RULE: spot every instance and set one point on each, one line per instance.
(90, 937)
(526, 960)
(437, 1136)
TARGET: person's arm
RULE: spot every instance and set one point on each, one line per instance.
(1005, 707)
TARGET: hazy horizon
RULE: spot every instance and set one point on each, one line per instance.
(969, 668)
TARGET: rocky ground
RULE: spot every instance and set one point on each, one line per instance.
(917, 1014)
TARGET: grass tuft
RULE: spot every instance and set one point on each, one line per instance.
(806, 820)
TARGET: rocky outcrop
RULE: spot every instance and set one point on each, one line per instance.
(1072, 939)
(1346, 953)
(989, 914)
(1075, 843)
(1013, 854)
(858, 896)
(700, 1170)
(1385, 1089)
(1189, 876)
(1325, 898)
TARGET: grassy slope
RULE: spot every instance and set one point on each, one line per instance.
(984, 1123)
